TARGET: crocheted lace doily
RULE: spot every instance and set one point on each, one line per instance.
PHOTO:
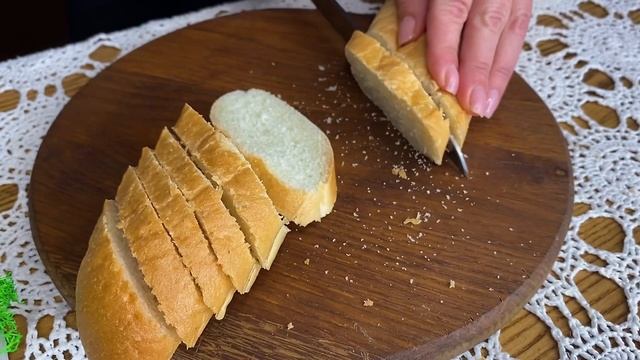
(606, 160)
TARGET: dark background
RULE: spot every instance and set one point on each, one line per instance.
(30, 26)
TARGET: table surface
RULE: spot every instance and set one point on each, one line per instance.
(525, 337)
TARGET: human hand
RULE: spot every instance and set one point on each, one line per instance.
(472, 45)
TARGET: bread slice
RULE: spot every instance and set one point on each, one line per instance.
(393, 87)
(291, 155)
(221, 229)
(413, 54)
(179, 220)
(111, 296)
(384, 28)
(170, 281)
(243, 193)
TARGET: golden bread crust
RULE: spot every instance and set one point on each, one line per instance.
(160, 263)
(392, 86)
(107, 302)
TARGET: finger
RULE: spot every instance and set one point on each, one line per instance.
(445, 20)
(509, 49)
(411, 15)
(487, 19)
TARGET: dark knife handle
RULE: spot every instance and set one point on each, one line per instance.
(335, 14)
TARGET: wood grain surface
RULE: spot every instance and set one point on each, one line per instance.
(495, 234)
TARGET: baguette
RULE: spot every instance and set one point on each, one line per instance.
(291, 155)
(189, 226)
(243, 193)
(170, 282)
(393, 87)
(111, 296)
(180, 222)
(384, 28)
(222, 230)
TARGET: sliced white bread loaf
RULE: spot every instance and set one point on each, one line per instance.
(170, 244)
(384, 28)
(116, 313)
(178, 297)
(222, 230)
(179, 219)
(243, 193)
(393, 87)
(291, 155)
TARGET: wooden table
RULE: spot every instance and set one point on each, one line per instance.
(525, 337)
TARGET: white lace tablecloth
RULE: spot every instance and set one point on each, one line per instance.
(605, 156)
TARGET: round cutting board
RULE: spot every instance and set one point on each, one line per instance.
(364, 282)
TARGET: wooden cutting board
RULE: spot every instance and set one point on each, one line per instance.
(362, 283)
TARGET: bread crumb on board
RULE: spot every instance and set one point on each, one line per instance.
(367, 302)
(399, 171)
(307, 261)
(452, 284)
(290, 326)
(414, 221)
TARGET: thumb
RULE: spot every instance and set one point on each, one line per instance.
(411, 16)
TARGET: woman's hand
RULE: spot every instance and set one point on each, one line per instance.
(472, 45)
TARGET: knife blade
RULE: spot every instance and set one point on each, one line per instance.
(339, 19)
(343, 23)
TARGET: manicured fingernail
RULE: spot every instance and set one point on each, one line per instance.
(478, 100)
(406, 29)
(451, 79)
(492, 102)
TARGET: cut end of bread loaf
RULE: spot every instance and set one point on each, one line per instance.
(291, 155)
(109, 268)
(392, 86)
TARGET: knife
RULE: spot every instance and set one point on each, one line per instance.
(343, 23)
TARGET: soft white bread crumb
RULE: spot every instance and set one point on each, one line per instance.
(290, 154)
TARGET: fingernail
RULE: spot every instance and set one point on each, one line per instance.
(407, 27)
(492, 102)
(451, 79)
(478, 100)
